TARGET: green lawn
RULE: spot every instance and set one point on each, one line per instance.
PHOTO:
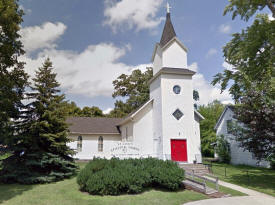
(259, 179)
(67, 193)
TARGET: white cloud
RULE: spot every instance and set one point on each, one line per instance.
(207, 92)
(88, 73)
(91, 72)
(194, 67)
(271, 18)
(107, 111)
(138, 14)
(225, 28)
(211, 52)
(44, 36)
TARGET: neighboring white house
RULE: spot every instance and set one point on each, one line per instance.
(165, 127)
(238, 155)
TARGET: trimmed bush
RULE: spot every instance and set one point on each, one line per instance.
(114, 177)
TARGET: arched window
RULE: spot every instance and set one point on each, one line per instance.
(126, 133)
(100, 144)
(79, 144)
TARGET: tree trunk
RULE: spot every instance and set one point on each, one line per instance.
(270, 4)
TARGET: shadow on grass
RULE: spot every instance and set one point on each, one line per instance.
(261, 179)
(9, 191)
(264, 181)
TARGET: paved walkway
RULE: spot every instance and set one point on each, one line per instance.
(253, 198)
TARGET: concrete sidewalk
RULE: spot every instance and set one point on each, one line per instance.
(253, 198)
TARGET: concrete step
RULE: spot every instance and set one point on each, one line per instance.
(198, 169)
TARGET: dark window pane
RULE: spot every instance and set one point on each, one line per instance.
(178, 114)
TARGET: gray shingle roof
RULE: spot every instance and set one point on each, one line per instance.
(168, 31)
(90, 125)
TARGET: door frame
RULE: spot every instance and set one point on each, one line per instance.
(186, 148)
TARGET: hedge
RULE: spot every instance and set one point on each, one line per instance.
(115, 177)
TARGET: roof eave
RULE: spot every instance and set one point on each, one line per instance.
(199, 115)
(220, 118)
(155, 51)
(95, 133)
(162, 71)
(171, 41)
(135, 113)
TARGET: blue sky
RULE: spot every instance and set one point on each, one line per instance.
(91, 42)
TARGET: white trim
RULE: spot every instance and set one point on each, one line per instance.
(199, 115)
(220, 119)
(155, 51)
(178, 41)
(135, 113)
(171, 71)
(94, 133)
(166, 46)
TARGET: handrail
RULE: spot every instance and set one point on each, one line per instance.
(193, 175)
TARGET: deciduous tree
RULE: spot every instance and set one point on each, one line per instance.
(211, 113)
(134, 91)
(13, 79)
(252, 78)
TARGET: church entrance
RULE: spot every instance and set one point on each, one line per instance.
(179, 150)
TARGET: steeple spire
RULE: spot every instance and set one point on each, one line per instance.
(168, 31)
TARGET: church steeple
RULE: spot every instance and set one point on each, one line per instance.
(170, 52)
(168, 31)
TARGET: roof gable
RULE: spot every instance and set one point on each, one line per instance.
(135, 112)
(228, 107)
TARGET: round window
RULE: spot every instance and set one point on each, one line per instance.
(176, 89)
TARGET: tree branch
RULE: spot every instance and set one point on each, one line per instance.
(270, 4)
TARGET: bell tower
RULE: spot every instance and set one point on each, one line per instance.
(172, 91)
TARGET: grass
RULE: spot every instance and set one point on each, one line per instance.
(67, 193)
(256, 178)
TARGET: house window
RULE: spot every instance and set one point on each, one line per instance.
(100, 144)
(79, 143)
(229, 125)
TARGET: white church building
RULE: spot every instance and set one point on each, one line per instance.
(166, 127)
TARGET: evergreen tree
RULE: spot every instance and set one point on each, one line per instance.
(45, 156)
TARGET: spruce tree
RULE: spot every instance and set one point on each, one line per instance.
(45, 156)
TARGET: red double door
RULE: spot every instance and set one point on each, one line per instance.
(179, 150)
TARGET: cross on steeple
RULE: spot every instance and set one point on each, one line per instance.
(168, 31)
(168, 7)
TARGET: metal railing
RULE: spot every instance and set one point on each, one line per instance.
(202, 180)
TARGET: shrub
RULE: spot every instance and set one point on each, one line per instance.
(223, 149)
(114, 177)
